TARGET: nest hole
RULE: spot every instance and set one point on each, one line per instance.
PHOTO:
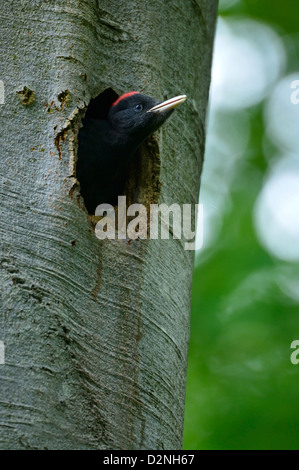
(142, 178)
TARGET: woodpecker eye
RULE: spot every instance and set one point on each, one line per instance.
(138, 107)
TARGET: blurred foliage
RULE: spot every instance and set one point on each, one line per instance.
(242, 388)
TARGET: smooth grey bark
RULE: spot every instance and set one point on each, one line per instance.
(96, 333)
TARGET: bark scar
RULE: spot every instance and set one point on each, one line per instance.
(68, 125)
(61, 136)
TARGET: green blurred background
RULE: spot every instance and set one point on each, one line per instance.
(242, 389)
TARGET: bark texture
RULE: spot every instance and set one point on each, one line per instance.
(96, 333)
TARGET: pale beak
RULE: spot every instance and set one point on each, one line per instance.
(169, 104)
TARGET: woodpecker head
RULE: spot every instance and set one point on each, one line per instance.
(139, 115)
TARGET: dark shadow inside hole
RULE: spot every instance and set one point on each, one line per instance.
(90, 151)
(98, 107)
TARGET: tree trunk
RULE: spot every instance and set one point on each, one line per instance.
(95, 332)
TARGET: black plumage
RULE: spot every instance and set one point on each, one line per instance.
(106, 146)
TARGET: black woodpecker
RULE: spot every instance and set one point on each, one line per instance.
(106, 146)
